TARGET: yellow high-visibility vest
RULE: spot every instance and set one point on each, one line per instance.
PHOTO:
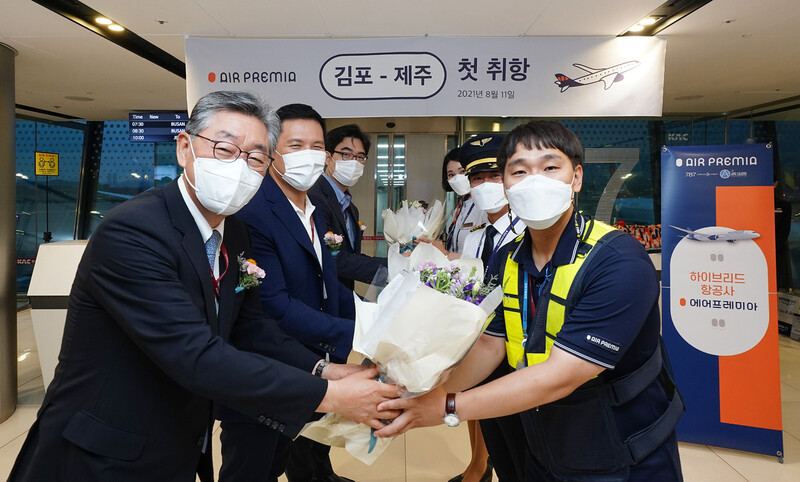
(552, 306)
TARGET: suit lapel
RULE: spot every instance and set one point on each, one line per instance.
(228, 283)
(336, 208)
(286, 214)
(329, 273)
(194, 247)
(356, 228)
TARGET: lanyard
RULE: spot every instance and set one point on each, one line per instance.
(459, 205)
(497, 245)
(454, 231)
(525, 282)
(215, 281)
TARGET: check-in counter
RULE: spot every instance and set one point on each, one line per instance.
(51, 282)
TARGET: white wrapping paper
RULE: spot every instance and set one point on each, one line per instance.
(416, 335)
(410, 222)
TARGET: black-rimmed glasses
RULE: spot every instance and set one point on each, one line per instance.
(349, 156)
(228, 152)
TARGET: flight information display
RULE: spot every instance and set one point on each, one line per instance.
(157, 126)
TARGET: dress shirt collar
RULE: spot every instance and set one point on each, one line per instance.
(202, 224)
(342, 196)
(304, 214)
(566, 249)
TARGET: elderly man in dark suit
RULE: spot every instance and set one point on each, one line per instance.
(146, 346)
(347, 150)
(304, 294)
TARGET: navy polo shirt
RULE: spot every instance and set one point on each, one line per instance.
(615, 324)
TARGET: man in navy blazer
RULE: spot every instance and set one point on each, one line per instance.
(146, 346)
(347, 148)
(303, 294)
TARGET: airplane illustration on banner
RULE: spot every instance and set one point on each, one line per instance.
(730, 236)
(607, 76)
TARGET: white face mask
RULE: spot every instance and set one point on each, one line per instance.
(459, 183)
(302, 168)
(223, 187)
(489, 196)
(539, 201)
(348, 172)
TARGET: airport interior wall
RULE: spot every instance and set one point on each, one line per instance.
(410, 160)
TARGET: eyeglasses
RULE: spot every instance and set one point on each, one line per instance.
(349, 156)
(228, 152)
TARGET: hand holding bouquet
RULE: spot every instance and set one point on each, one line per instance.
(423, 324)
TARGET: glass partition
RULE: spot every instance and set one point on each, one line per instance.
(44, 204)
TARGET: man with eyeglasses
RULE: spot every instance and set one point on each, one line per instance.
(347, 148)
(302, 293)
(152, 314)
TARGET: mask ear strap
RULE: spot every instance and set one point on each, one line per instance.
(194, 161)
(511, 220)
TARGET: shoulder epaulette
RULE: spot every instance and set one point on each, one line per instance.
(480, 226)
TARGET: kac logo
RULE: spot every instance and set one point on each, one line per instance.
(676, 136)
(724, 174)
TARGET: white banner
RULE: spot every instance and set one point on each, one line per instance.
(438, 76)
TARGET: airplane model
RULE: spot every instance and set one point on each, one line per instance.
(607, 76)
(730, 236)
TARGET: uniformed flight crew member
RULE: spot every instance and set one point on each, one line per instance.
(466, 215)
(479, 158)
(580, 324)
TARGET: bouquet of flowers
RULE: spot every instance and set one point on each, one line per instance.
(412, 220)
(424, 322)
(333, 242)
(419, 204)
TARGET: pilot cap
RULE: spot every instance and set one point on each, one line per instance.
(479, 153)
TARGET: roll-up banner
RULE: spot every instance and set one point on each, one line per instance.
(438, 76)
(719, 294)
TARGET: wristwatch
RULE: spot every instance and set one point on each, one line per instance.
(320, 367)
(450, 417)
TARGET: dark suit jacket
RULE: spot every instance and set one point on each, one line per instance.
(144, 354)
(294, 294)
(351, 264)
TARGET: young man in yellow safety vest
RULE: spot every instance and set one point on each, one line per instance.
(580, 325)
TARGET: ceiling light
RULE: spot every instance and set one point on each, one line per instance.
(90, 19)
(663, 16)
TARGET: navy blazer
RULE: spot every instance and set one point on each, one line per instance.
(294, 293)
(144, 354)
(351, 264)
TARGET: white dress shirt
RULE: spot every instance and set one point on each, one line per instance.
(473, 243)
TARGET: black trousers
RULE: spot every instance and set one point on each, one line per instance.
(505, 439)
(307, 460)
(252, 452)
(248, 453)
